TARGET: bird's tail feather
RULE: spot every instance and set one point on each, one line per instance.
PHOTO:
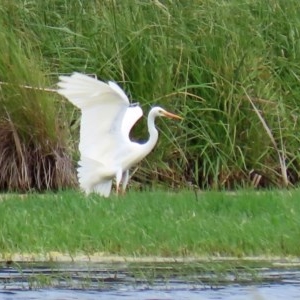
(103, 188)
(90, 179)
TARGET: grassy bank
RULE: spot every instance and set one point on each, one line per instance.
(245, 223)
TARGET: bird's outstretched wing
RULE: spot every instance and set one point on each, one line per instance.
(103, 107)
(133, 113)
(106, 120)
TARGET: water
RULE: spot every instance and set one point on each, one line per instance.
(89, 281)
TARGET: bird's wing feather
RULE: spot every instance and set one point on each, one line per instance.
(89, 173)
(118, 90)
(84, 91)
(103, 107)
(133, 113)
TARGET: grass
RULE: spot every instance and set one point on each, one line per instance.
(34, 149)
(231, 68)
(243, 223)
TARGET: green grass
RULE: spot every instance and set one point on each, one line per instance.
(33, 146)
(244, 223)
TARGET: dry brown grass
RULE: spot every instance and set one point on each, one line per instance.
(32, 165)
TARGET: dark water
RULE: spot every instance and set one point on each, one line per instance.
(233, 280)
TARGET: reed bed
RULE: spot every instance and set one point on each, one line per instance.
(230, 68)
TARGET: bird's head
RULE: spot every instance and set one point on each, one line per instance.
(158, 111)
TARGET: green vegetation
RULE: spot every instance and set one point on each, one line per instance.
(33, 143)
(231, 68)
(244, 223)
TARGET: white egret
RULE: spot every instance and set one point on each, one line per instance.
(106, 151)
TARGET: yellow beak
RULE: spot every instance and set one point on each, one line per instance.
(172, 116)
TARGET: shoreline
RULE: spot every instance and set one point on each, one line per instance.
(59, 257)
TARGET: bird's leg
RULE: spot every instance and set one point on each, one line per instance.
(117, 188)
(125, 179)
(118, 180)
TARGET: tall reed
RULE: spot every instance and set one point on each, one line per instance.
(33, 147)
(231, 68)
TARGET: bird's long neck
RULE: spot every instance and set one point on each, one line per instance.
(153, 133)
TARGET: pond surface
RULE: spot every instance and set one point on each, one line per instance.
(151, 281)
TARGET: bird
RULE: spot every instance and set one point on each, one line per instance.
(106, 151)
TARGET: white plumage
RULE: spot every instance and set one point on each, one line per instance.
(106, 151)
